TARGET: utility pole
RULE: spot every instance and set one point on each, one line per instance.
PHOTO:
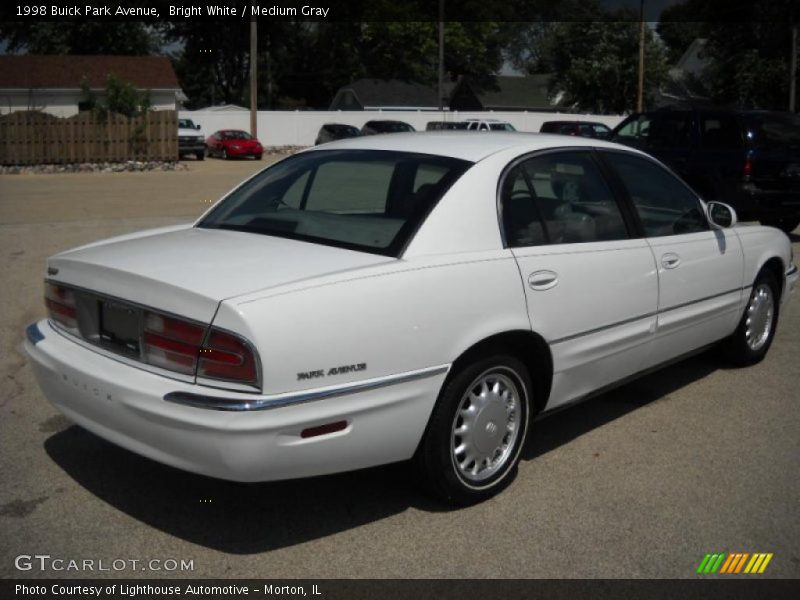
(793, 71)
(253, 75)
(441, 55)
(640, 93)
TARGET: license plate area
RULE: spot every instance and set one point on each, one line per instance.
(120, 328)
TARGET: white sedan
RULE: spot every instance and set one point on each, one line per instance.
(412, 296)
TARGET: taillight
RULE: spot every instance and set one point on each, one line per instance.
(60, 302)
(747, 169)
(179, 346)
(227, 357)
(171, 343)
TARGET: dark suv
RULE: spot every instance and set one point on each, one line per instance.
(749, 159)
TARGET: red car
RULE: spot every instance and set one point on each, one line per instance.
(229, 143)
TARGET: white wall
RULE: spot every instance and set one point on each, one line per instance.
(64, 103)
(300, 128)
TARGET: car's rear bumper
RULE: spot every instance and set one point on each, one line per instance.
(126, 406)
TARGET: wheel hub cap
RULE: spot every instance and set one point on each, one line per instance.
(760, 312)
(486, 426)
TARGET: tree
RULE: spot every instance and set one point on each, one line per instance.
(749, 59)
(596, 64)
(131, 38)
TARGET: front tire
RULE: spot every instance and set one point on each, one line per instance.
(224, 154)
(470, 449)
(750, 342)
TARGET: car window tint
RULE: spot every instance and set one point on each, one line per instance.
(721, 131)
(428, 175)
(666, 206)
(370, 200)
(566, 196)
(337, 186)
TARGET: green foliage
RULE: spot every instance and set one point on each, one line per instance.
(596, 64)
(79, 37)
(120, 97)
(309, 62)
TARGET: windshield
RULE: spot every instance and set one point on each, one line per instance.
(366, 200)
(501, 127)
(185, 124)
(236, 135)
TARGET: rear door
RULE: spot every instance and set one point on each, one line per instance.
(591, 287)
(700, 270)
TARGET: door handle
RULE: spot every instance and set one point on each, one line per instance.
(670, 260)
(542, 280)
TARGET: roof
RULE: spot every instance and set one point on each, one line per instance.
(30, 71)
(464, 145)
(387, 93)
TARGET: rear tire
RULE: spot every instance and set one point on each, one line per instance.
(470, 449)
(201, 155)
(750, 342)
(258, 157)
(787, 224)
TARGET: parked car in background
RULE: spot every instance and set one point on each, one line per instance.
(401, 297)
(488, 125)
(580, 128)
(748, 158)
(234, 143)
(376, 127)
(331, 132)
(190, 139)
(445, 125)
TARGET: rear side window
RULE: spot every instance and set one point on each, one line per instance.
(666, 206)
(663, 130)
(559, 199)
(774, 131)
(721, 132)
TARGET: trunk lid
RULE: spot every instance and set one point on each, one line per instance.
(188, 271)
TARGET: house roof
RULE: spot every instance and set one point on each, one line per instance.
(30, 71)
(389, 93)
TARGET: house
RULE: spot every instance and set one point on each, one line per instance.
(386, 94)
(52, 83)
(685, 80)
(510, 93)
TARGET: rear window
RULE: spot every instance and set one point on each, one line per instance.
(366, 200)
(774, 131)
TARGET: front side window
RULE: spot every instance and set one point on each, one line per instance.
(666, 206)
(559, 198)
(365, 200)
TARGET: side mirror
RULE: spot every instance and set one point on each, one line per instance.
(721, 215)
(197, 127)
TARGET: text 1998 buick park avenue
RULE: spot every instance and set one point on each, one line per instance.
(412, 296)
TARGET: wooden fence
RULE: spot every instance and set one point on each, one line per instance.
(31, 137)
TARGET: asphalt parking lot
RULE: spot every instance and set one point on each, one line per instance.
(640, 482)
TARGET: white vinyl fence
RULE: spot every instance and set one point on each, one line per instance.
(300, 128)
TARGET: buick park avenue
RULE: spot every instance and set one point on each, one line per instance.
(410, 297)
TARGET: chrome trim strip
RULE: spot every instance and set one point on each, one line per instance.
(644, 316)
(791, 271)
(603, 328)
(685, 304)
(267, 402)
(34, 334)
